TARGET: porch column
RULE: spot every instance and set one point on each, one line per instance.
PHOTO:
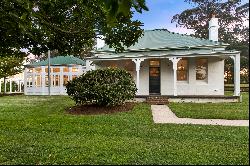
(236, 59)
(25, 81)
(175, 60)
(10, 85)
(33, 80)
(18, 84)
(61, 80)
(5, 87)
(89, 65)
(137, 67)
(43, 79)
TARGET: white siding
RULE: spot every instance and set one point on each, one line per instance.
(213, 86)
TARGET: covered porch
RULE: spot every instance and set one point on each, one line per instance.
(175, 75)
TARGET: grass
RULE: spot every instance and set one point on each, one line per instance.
(213, 110)
(36, 130)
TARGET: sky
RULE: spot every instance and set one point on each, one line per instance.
(160, 15)
(161, 12)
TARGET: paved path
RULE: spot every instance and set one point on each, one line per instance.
(162, 114)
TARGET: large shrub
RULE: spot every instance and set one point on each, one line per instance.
(104, 87)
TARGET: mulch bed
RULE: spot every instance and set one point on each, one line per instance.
(95, 109)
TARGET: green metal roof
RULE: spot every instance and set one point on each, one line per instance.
(163, 39)
(60, 61)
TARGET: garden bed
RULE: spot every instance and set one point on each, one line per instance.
(96, 109)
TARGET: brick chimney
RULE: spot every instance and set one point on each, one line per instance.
(213, 28)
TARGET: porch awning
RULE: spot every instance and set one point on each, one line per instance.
(162, 54)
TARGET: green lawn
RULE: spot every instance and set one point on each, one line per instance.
(213, 110)
(36, 130)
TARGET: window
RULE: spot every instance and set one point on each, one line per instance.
(46, 69)
(182, 70)
(65, 80)
(154, 63)
(201, 69)
(74, 69)
(29, 81)
(38, 81)
(56, 70)
(46, 81)
(56, 80)
(65, 69)
(38, 70)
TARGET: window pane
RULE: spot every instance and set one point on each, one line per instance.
(56, 70)
(182, 70)
(65, 69)
(38, 81)
(65, 80)
(46, 69)
(38, 70)
(74, 69)
(29, 81)
(154, 63)
(57, 80)
(201, 69)
(46, 81)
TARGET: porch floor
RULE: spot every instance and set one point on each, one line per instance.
(194, 98)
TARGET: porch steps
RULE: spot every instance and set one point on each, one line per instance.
(157, 100)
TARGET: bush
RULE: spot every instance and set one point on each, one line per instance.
(104, 87)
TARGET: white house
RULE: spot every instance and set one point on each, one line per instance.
(170, 64)
(62, 70)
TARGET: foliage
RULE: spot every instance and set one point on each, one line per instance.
(69, 26)
(229, 70)
(14, 86)
(232, 16)
(104, 87)
(10, 65)
(36, 131)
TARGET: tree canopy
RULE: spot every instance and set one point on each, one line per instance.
(232, 15)
(69, 26)
(10, 65)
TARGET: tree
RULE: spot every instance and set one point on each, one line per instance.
(10, 65)
(232, 15)
(68, 26)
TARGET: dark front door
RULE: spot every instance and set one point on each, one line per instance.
(154, 79)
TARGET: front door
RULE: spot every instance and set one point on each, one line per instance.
(154, 77)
